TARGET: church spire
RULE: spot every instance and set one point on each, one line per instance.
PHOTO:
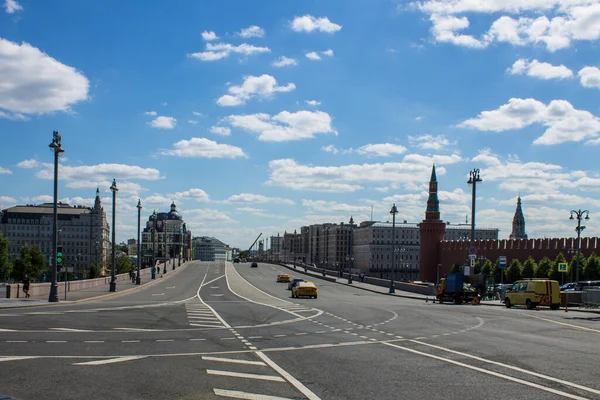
(97, 202)
(433, 203)
(518, 230)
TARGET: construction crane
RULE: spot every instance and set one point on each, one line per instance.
(253, 243)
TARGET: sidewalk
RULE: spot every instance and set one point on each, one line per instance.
(93, 293)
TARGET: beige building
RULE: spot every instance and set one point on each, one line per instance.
(83, 232)
(327, 245)
(165, 236)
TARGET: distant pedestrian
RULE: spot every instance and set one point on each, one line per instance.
(26, 286)
(362, 277)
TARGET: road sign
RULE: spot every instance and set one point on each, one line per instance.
(502, 262)
(563, 267)
(473, 251)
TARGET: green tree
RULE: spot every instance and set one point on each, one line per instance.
(123, 248)
(573, 266)
(487, 268)
(529, 267)
(477, 267)
(31, 262)
(543, 268)
(591, 271)
(513, 272)
(93, 271)
(496, 271)
(5, 265)
(124, 264)
(456, 269)
(554, 274)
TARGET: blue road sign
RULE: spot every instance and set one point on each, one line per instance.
(473, 251)
(502, 262)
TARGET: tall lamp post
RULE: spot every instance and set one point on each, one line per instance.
(473, 180)
(56, 147)
(113, 278)
(180, 245)
(138, 279)
(165, 252)
(153, 271)
(350, 256)
(393, 211)
(579, 215)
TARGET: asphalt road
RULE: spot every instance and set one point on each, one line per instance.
(212, 331)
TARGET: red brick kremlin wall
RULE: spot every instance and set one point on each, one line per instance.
(454, 252)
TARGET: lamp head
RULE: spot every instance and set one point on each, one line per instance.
(394, 210)
(139, 204)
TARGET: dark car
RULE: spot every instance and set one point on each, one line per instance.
(254, 265)
(236, 260)
(294, 282)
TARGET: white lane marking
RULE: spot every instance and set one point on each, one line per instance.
(196, 340)
(255, 337)
(233, 360)
(94, 341)
(521, 370)
(130, 341)
(16, 358)
(296, 383)
(234, 394)
(56, 341)
(321, 332)
(216, 279)
(206, 326)
(110, 360)
(170, 287)
(70, 330)
(301, 334)
(271, 378)
(215, 287)
(7, 330)
(252, 347)
(203, 302)
(492, 373)
(228, 338)
(158, 294)
(564, 323)
(217, 295)
(165, 340)
(279, 335)
(16, 341)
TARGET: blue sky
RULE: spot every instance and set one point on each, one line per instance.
(266, 116)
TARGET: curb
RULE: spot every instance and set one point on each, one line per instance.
(148, 284)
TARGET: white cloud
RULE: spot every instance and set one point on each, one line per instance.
(590, 77)
(313, 56)
(251, 209)
(192, 121)
(6, 201)
(284, 61)
(328, 53)
(332, 206)
(541, 70)
(258, 198)
(194, 194)
(28, 164)
(381, 149)
(312, 102)
(31, 82)
(570, 20)
(220, 130)
(285, 125)
(200, 215)
(252, 31)
(308, 23)
(163, 122)
(419, 118)
(263, 87)
(13, 116)
(564, 123)
(209, 35)
(430, 142)
(330, 149)
(4, 171)
(11, 6)
(412, 169)
(151, 113)
(198, 114)
(218, 51)
(202, 147)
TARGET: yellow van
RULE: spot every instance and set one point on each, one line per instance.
(532, 293)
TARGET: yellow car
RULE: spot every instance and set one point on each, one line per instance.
(532, 293)
(283, 278)
(305, 289)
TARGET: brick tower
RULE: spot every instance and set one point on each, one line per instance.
(432, 231)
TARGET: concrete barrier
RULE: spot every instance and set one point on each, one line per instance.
(15, 290)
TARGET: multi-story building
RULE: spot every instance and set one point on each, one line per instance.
(132, 247)
(209, 249)
(165, 236)
(83, 232)
(275, 246)
(291, 247)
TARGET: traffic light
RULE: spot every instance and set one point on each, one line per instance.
(59, 258)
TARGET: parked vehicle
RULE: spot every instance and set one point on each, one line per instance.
(236, 260)
(453, 287)
(532, 293)
(568, 287)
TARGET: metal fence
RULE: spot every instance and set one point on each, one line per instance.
(590, 297)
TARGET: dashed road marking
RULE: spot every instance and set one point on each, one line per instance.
(272, 378)
(234, 394)
(233, 360)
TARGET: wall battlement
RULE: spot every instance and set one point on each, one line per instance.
(588, 243)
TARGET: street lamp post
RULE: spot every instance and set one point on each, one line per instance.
(56, 147)
(165, 251)
(153, 271)
(138, 279)
(393, 211)
(350, 256)
(113, 278)
(473, 180)
(180, 245)
(579, 215)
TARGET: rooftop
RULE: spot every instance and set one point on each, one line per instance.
(47, 208)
